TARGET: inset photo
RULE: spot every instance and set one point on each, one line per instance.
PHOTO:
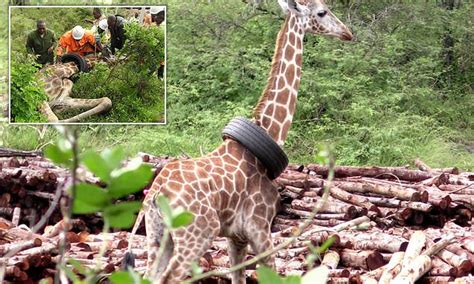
(87, 65)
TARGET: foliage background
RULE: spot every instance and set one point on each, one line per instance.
(129, 85)
(387, 98)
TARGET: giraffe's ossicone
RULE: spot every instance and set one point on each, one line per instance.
(228, 190)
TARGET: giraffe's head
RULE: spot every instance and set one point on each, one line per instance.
(316, 18)
(91, 61)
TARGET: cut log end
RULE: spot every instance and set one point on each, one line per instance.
(374, 260)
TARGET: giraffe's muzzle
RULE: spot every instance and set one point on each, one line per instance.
(347, 36)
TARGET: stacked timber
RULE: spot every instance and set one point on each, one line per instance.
(388, 225)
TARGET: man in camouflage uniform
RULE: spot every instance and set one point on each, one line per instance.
(41, 43)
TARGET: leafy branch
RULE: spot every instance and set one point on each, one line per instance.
(117, 182)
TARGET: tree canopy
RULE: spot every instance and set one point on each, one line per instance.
(401, 90)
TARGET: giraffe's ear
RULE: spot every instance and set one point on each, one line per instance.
(292, 6)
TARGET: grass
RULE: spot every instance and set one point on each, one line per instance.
(159, 140)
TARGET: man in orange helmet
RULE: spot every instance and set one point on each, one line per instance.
(78, 41)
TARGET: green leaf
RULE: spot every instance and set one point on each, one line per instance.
(130, 179)
(165, 209)
(97, 165)
(127, 277)
(89, 199)
(64, 145)
(55, 154)
(311, 259)
(196, 270)
(122, 215)
(182, 219)
(113, 157)
(70, 274)
(266, 275)
(322, 157)
(78, 266)
(293, 279)
(325, 246)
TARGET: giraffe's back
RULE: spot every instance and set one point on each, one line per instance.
(229, 182)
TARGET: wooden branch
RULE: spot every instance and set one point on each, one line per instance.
(416, 244)
(7, 152)
(353, 199)
(463, 264)
(334, 208)
(395, 203)
(367, 260)
(374, 241)
(16, 216)
(385, 172)
(387, 272)
(467, 200)
(440, 245)
(468, 243)
(350, 224)
(5, 225)
(418, 267)
(322, 216)
(58, 228)
(441, 268)
(20, 234)
(387, 190)
(18, 247)
(422, 166)
(45, 248)
(331, 260)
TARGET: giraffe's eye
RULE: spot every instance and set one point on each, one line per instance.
(322, 13)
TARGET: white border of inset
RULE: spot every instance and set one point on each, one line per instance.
(88, 123)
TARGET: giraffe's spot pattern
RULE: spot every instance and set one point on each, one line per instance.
(289, 54)
(281, 83)
(280, 113)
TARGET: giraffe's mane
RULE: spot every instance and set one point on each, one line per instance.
(275, 69)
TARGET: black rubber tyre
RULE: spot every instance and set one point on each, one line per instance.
(259, 143)
(76, 58)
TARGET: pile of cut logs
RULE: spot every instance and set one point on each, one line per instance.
(392, 225)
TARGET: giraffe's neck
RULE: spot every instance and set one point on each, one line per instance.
(66, 70)
(62, 70)
(275, 109)
(53, 77)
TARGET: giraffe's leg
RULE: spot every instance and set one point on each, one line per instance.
(66, 89)
(154, 235)
(46, 110)
(190, 243)
(237, 253)
(258, 231)
(261, 242)
(94, 106)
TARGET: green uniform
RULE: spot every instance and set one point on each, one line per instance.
(35, 44)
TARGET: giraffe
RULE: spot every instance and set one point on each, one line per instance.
(58, 88)
(228, 190)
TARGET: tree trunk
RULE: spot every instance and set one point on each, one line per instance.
(448, 45)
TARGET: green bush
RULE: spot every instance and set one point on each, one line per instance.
(136, 92)
(27, 93)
